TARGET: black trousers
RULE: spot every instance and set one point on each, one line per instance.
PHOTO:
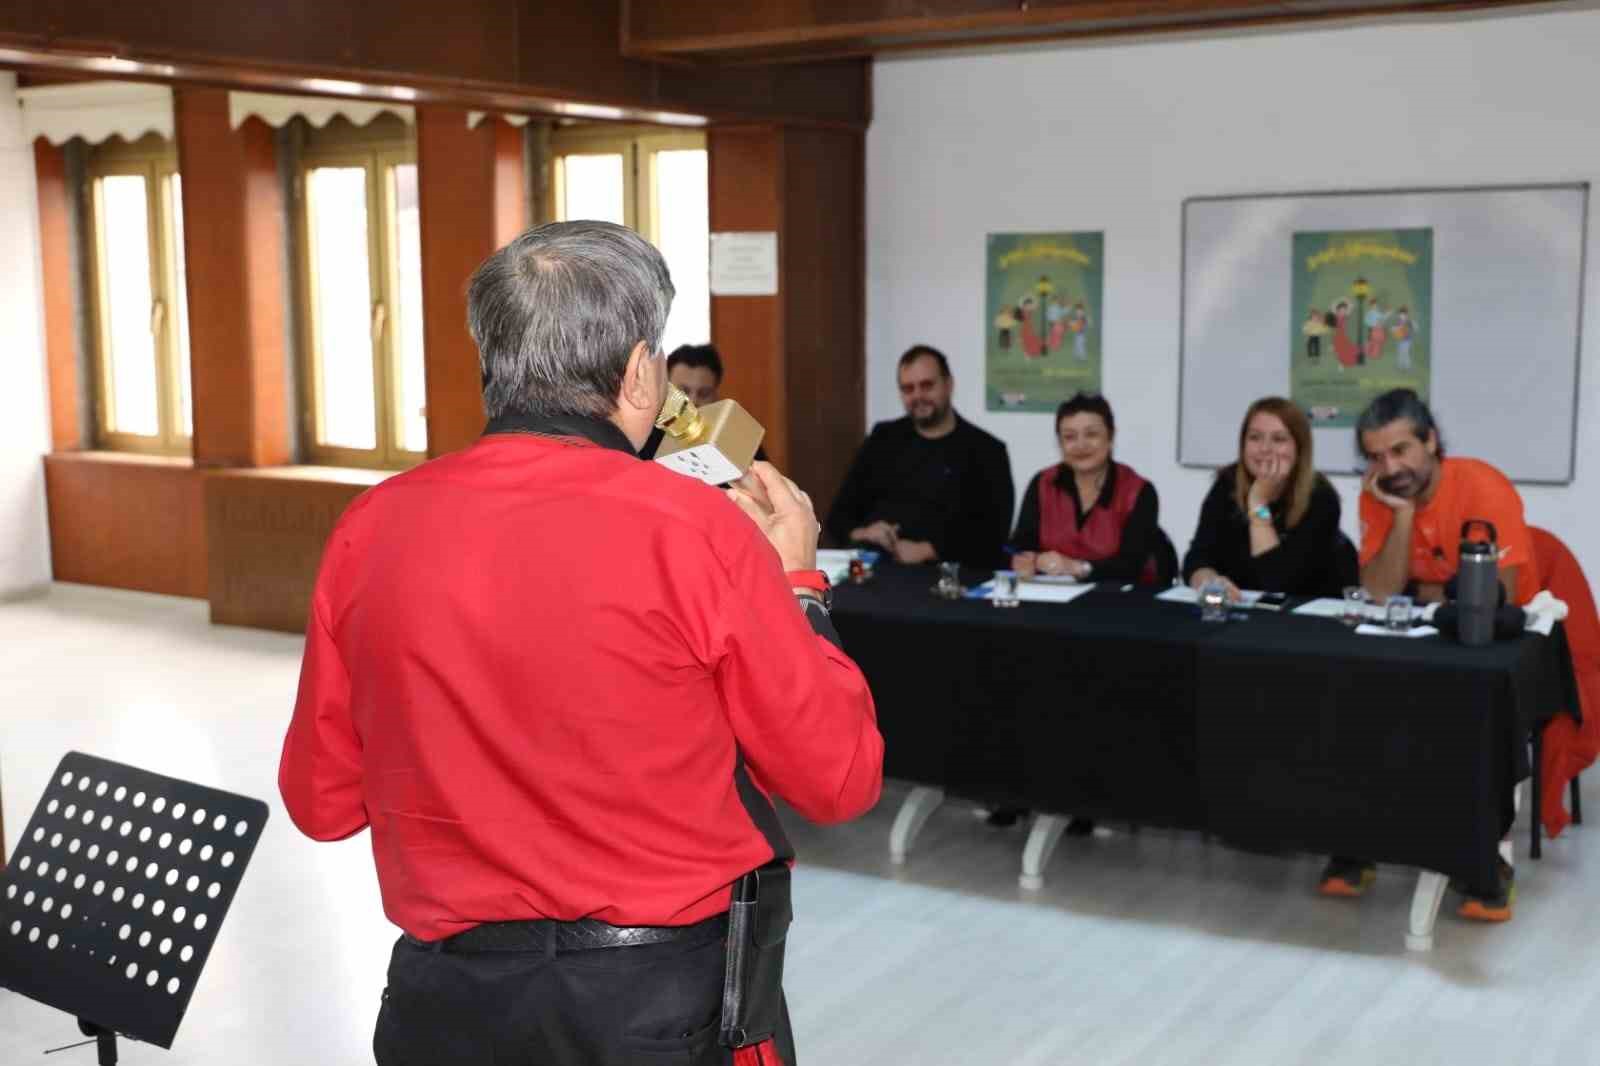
(652, 1003)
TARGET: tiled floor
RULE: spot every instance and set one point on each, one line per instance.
(1147, 949)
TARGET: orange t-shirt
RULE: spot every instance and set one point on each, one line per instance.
(1467, 489)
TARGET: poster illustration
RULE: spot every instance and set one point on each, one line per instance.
(1042, 326)
(1361, 320)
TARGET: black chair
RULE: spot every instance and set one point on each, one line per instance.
(1346, 568)
(1165, 556)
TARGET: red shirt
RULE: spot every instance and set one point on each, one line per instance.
(537, 669)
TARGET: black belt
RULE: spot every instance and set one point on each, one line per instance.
(586, 934)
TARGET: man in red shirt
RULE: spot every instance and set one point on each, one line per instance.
(1412, 509)
(559, 685)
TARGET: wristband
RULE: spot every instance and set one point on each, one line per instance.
(814, 581)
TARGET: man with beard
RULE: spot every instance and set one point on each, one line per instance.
(1413, 502)
(930, 486)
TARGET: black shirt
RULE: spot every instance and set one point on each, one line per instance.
(1139, 537)
(954, 491)
(1305, 562)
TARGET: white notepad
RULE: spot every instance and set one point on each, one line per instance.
(1185, 594)
(1033, 592)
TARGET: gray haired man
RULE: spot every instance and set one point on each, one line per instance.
(559, 685)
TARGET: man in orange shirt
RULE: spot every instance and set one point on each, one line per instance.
(1413, 503)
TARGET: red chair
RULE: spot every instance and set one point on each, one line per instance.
(1570, 745)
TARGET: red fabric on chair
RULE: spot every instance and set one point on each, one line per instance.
(1570, 745)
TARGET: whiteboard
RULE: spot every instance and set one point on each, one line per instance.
(1508, 270)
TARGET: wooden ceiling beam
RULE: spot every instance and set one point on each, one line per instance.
(789, 31)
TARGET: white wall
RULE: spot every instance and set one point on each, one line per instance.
(1115, 137)
(24, 417)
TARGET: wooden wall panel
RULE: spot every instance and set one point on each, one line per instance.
(796, 360)
(510, 183)
(125, 521)
(745, 178)
(266, 530)
(233, 246)
(515, 54)
(67, 418)
(824, 277)
(470, 189)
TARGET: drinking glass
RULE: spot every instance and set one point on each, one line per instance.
(1355, 605)
(1397, 613)
(949, 586)
(1005, 588)
(1214, 601)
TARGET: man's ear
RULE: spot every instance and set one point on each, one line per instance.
(638, 389)
(1433, 442)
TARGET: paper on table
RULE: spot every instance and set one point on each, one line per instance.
(1033, 593)
(1185, 594)
(1322, 608)
(1540, 623)
(1368, 630)
(1051, 579)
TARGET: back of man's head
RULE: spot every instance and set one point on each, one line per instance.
(925, 351)
(1392, 406)
(705, 356)
(557, 312)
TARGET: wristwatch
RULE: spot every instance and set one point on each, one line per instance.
(1261, 512)
(813, 581)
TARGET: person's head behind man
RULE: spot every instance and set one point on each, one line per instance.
(568, 320)
(925, 387)
(697, 370)
(1399, 439)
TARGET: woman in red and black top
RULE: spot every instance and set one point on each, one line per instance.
(1087, 517)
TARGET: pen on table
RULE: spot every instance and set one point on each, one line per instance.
(1127, 588)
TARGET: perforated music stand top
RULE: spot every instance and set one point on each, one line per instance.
(116, 893)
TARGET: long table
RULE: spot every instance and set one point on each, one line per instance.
(1273, 731)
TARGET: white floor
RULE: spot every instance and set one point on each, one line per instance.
(1148, 949)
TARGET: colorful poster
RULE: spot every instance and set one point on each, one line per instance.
(1042, 325)
(1361, 321)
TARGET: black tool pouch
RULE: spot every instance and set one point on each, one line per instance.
(752, 980)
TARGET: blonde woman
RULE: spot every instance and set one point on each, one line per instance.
(1270, 521)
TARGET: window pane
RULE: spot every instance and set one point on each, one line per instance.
(683, 224)
(411, 387)
(180, 308)
(124, 219)
(591, 187)
(336, 207)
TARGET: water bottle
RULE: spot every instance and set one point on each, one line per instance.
(1478, 584)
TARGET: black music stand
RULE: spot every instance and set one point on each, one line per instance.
(115, 894)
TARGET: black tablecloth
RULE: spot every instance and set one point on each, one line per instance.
(1276, 731)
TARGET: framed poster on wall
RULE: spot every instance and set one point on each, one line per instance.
(1042, 325)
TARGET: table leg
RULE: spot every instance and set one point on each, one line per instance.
(1507, 848)
(1535, 829)
(913, 815)
(1042, 841)
(1425, 910)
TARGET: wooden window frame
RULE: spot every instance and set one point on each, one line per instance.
(378, 151)
(638, 146)
(154, 159)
